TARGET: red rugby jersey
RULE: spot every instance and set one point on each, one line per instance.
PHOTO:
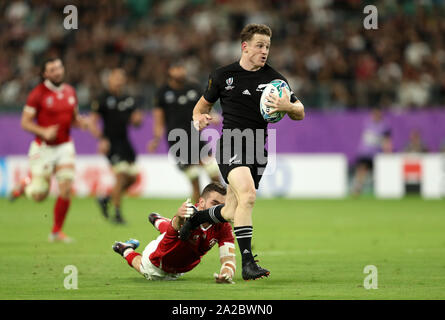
(175, 256)
(54, 106)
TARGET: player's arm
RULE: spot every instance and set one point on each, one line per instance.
(228, 263)
(158, 129)
(28, 124)
(295, 110)
(136, 118)
(79, 121)
(93, 125)
(184, 212)
(94, 128)
(201, 113)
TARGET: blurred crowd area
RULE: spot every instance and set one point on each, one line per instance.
(321, 46)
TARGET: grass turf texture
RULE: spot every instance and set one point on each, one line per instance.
(315, 249)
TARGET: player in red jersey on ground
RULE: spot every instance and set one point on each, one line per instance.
(49, 113)
(167, 257)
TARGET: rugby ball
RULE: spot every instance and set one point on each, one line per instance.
(277, 87)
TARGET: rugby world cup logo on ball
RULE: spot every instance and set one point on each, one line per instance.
(276, 87)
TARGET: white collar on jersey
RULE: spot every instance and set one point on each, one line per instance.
(205, 229)
(52, 87)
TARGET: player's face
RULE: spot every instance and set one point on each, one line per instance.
(257, 49)
(117, 79)
(213, 199)
(54, 72)
(177, 73)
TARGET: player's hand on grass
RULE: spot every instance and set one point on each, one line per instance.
(50, 133)
(201, 121)
(223, 278)
(278, 104)
(103, 146)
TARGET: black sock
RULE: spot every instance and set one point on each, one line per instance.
(118, 212)
(211, 215)
(244, 237)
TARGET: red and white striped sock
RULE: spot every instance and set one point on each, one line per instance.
(129, 255)
(162, 224)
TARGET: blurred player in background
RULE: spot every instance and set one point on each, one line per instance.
(239, 87)
(49, 113)
(174, 110)
(117, 110)
(376, 138)
(415, 143)
(167, 257)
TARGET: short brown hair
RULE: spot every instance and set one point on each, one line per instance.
(214, 186)
(251, 29)
(43, 65)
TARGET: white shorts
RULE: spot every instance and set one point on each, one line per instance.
(149, 270)
(125, 167)
(44, 158)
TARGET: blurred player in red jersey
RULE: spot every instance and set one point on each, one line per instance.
(168, 258)
(49, 113)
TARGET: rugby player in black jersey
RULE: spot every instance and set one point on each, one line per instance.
(239, 87)
(117, 111)
(174, 103)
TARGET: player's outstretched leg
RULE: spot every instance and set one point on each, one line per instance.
(156, 219)
(212, 215)
(126, 250)
(120, 247)
(20, 189)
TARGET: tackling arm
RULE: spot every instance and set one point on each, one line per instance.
(228, 263)
(184, 211)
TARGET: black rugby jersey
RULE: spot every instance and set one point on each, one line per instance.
(240, 92)
(178, 105)
(115, 112)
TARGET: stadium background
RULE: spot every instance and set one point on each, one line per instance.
(337, 68)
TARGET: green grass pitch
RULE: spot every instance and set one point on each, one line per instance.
(315, 249)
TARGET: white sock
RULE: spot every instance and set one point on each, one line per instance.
(127, 252)
(160, 220)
